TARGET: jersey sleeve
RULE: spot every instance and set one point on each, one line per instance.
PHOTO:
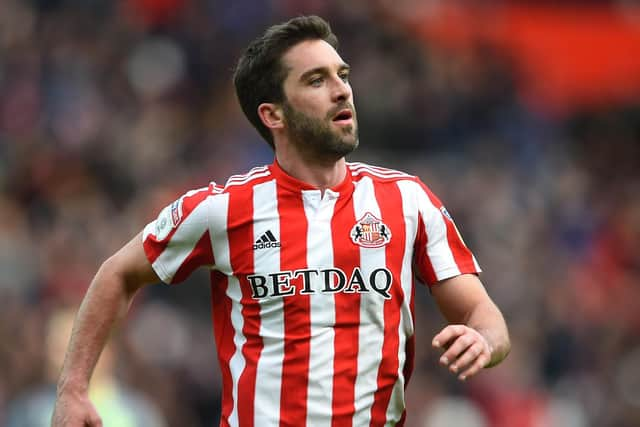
(178, 241)
(440, 251)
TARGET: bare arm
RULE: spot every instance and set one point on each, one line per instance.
(105, 303)
(477, 336)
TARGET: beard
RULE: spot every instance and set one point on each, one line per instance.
(316, 137)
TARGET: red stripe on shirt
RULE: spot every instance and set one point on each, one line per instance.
(202, 254)
(297, 327)
(420, 257)
(240, 247)
(410, 350)
(389, 198)
(461, 254)
(224, 333)
(154, 247)
(347, 315)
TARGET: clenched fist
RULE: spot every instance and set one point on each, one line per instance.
(466, 351)
(75, 410)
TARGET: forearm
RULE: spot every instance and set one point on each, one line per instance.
(489, 322)
(105, 303)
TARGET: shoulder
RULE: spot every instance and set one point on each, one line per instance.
(215, 193)
(235, 183)
(239, 182)
(410, 185)
(376, 173)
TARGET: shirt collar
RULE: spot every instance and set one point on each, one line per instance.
(293, 184)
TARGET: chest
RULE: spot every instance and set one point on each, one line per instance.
(318, 244)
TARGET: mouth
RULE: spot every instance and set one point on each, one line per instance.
(343, 117)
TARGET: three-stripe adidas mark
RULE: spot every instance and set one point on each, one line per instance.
(267, 240)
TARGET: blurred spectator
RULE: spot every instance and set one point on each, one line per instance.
(449, 411)
(118, 404)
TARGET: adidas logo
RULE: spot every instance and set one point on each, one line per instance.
(267, 240)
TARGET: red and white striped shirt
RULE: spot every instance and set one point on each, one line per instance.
(312, 294)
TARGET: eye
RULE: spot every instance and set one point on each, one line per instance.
(316, 81)
(344, 76)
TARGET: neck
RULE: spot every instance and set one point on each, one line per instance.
(318, 173)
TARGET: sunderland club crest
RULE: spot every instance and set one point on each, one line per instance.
(370, 232)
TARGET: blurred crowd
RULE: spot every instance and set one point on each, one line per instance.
(109, 110)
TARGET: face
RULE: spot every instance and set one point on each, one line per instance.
(318, 112)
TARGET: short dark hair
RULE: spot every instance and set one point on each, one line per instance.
(259, 75)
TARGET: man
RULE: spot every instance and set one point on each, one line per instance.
(311, 258)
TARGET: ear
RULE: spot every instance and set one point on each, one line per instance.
(271, 115)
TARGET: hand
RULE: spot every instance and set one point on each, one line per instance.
(75, 410)
(466, 350)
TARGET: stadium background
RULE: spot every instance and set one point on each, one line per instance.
(523, 116)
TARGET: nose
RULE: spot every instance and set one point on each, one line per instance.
(341, 90)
